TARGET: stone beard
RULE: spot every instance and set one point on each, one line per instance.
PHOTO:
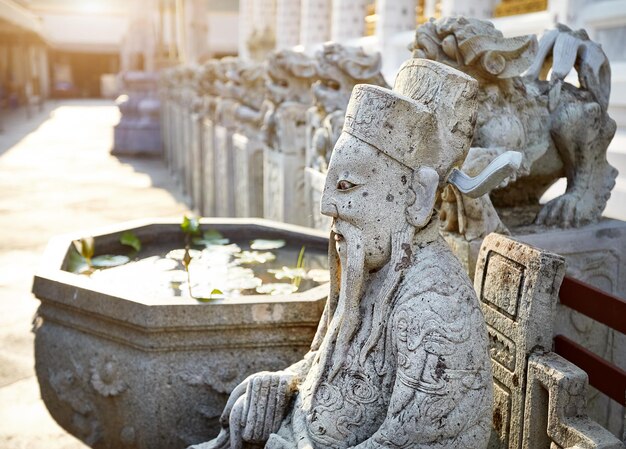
(418, 352)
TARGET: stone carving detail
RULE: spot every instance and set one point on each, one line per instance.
(556, 390)
(106, 375)
(290, 75)
(525, 318)
(69, 387)
(561, 130)
(401, 354)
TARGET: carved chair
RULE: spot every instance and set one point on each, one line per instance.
(539, 397)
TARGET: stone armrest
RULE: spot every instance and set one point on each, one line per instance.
(554, 413)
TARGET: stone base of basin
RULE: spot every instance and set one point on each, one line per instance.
(120, 372)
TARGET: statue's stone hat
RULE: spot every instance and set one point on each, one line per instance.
(426, 120)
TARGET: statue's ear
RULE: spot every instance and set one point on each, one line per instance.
(424, 186)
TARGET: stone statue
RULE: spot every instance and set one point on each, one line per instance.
(251, 97)
(207, 78)
(561, 130)
(226, 83)
(339, 68)
(400, 359)
(290, 75)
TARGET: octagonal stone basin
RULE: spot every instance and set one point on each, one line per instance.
(133, 371)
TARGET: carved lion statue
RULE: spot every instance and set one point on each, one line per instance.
(289, 76)
(561, 129)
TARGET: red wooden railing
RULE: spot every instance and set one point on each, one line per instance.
(604, 308)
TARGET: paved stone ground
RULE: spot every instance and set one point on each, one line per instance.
(57, 176)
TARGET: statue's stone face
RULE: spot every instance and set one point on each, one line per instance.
(366, 194)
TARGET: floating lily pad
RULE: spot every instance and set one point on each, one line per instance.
(263, 244)
(128, 238)
(109, 260)
(165, 264)
(288, 273)
(177, 276)
(278, 288)
(179, 254)
(211, 237)
(251, 257)
(319, 275)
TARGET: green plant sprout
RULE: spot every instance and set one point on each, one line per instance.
(299, 268)
(82, 260)
(191, 227)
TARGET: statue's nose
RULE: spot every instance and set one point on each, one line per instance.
(327, 206)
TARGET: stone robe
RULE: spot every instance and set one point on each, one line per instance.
(425, 384)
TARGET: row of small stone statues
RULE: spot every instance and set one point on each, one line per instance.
(227, 113)
(250, 139)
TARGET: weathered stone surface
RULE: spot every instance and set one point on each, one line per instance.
(594, 254)
(561, 130)
(555, 407)
(119, 371)
(400, 358)
(517, 286)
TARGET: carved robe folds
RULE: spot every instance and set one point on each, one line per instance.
(429, 369)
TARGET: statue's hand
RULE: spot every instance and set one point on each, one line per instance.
(266, 401)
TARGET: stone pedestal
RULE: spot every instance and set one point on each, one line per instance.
(314, 187)
(139, 132)
(595, 254)
(196, 161)
(248, 176)
(207, 208)
(287, 23)
(283, 167)
(283, 187)
(314, 22)
(223, 174)
(177, 138)
(187, 122)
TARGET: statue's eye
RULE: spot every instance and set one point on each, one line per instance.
(345, 185)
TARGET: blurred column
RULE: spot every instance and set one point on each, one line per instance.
(315, 22)
(195, 30)
(245, 27)
(348, 19)
(262, 38)
(287, 23)
(394, 17)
